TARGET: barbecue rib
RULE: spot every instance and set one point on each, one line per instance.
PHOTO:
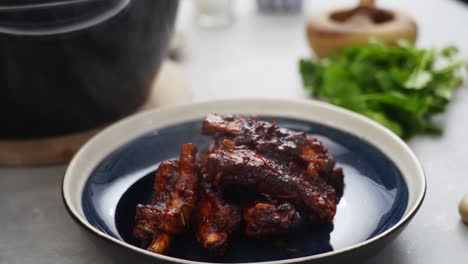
(252, 170)
(265, 220)
(215, 221)
(239, 166)
(175, 197)
(295, 148)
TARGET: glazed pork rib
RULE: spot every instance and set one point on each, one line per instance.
(268, 219)
(175, 196)
(240, 167)
(281, 144)
(254, 171)
(321, 164)
(215, 221)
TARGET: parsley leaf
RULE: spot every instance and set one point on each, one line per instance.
(401, 87)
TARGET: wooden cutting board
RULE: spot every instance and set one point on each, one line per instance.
(170, 88)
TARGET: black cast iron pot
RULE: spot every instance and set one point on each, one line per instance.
(71, 65)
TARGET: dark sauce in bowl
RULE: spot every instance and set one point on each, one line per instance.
(71, 65)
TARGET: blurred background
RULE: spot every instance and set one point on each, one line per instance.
(244, 59)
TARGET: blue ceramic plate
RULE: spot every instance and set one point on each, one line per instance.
(385, 184)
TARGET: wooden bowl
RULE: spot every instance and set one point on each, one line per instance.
(332, 31)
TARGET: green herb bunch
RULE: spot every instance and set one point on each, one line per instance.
(401, 86)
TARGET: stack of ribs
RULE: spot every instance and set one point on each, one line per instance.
(278, 175)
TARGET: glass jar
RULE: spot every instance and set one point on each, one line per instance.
(214, 13)
(71, 65)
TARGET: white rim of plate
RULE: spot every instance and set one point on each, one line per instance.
(111, 138)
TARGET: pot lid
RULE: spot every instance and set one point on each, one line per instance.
(12, 5)
(46, 17)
